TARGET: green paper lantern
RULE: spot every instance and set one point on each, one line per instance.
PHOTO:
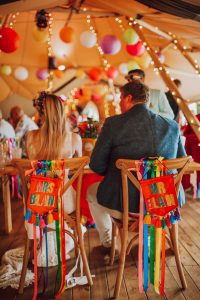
(130, 36)
(6, 70)
(132, 65)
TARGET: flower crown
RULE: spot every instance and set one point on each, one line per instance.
(38, 102)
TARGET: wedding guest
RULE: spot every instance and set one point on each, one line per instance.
(52, 141)
(172, 101)
(136, 133)
(6, 130)
(158, 102)
(22, 124)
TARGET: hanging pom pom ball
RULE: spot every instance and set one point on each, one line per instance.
(135, 50)
(42, 74)
(67, 34)
(123, 69)
(6, 70)
(112, 72)
(130, 36)
(40, 36)
(88, 39)
(95, 74)
(132, 65)
(42, 19)
(9, 40)
(110, 44)
(21, 73)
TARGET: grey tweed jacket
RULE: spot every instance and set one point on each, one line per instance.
(136, 134)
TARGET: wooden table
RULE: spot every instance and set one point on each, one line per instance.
(9, 170)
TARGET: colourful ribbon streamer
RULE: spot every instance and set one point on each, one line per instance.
(162, 285)
(145, 257)
(157, 260)
(152, 253)
(35, 263)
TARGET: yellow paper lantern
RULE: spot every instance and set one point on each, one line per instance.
(132, 65)
(80, 74)
(41, 36)
(67, 34)
(144, 60)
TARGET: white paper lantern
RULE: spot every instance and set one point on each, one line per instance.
(88, 39)
(21, 73)
(123, 68)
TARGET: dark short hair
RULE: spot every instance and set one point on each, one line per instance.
(139, 71)
(177, 82)
(138, 91)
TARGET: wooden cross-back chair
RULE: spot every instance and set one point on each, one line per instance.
(75, 166)
(126, 224)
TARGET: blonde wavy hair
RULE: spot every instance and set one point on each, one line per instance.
(54, 129)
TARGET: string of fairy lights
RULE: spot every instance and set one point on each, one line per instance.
(49, 53)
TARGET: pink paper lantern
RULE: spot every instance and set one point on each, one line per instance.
(42, 74)
(96, 98)
(9, 40)
(136, 50)
(110, 44)
(112, 72)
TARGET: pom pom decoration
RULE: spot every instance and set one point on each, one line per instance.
(21, 73)
(110, 44)
(42, 19)
(41, 36)
(9, 40)
(135, 50)
(161, 57)
(42, 74)
(112, 72)
(88, 39)
(123, 69)
(6, 70)
(132, 65)
(67, 34)
(130, 36)
(95, 74)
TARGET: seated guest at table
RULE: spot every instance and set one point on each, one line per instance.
(6, 130)
(22, 124)
(135, 134)
(53, 141)
(158, 102)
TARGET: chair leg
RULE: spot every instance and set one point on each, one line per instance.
(84, 257)
(174, 238)
(113, 246)
(24, 266)
(120, 271)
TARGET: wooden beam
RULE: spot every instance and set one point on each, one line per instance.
(192, 119)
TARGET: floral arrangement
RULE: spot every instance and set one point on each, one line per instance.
(89, 129)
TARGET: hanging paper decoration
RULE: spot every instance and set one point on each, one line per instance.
(67, 34)
(161, 57)
(144, 60)
(88, 39)
(6, 70)
(110, 44)
(132, 65)
(135, 50)
(41, 36)
(130, 36)
(42, 19)
(9, 40)
(158, 210)
(123, 69)
(44, 206)
(80, 74)
(42, 74)
(112, 72)
(21, 73)
(95, 74)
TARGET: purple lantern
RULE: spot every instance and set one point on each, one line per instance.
(110, 44)
(42, 74)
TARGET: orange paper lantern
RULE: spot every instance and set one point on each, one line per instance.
(67, 34)
(95, 74)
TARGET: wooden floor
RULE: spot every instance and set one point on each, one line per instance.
(105, 275)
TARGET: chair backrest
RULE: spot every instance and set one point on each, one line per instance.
(75, 166)
(127, 166)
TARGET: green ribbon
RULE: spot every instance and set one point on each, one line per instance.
(152, 254)
(58, 252)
